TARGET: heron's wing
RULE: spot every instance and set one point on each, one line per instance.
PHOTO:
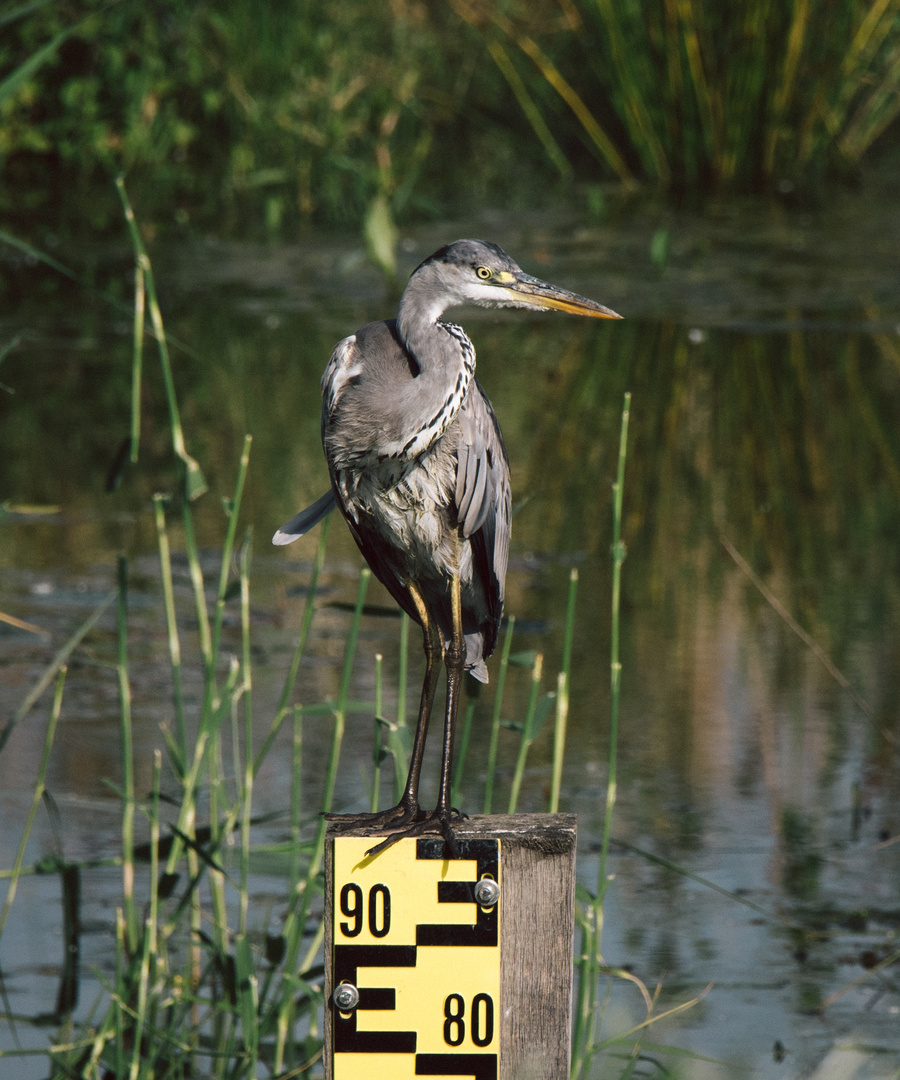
(301, 523)
(483, 499)
(482, 471)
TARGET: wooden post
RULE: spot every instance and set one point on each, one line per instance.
(428, 968)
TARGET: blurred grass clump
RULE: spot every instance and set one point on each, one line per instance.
(238, 113)
(268, 116)
(693, 94)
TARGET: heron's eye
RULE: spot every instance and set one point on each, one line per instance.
(483, 272)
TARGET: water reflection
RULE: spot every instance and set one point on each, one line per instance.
(743, 759)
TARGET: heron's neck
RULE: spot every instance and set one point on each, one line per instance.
(420, 309)
(445, 359)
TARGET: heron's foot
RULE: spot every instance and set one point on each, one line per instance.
(401, 814)
(437, 822)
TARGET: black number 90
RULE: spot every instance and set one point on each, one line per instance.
(352, 907)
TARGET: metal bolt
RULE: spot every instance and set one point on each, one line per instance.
(346, 996)
(487, 892)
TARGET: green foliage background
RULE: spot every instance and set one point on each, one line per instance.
(285, 112)
(245, 114)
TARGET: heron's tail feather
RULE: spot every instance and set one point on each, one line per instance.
(301, 523)
(475, 664)
(479, 671)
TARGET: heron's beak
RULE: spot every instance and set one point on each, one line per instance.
(536, 293)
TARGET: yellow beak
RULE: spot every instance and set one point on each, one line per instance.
(536, 293)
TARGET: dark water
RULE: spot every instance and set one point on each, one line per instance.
(764, 363)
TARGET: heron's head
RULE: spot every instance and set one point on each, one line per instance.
(476, 272)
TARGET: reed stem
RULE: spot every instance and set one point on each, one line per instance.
(233, 511)
(618, 555)
(495, 717)
(246, 794)
(165, 560)
(127, 751)
(309, 611)
(296, 919)
(379, 724)
(528, 733)
(137, 362)
(562, 696)
(195, 483)
(461, 753)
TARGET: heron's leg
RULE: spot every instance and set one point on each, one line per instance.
(455, 662)
(434, 651)
(407, 810)
(438, 821)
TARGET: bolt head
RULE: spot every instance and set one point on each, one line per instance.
(487, 892)
(345, 996)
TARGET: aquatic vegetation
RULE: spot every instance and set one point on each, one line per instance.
(283, 113)
(693, 96)
(197, 985)
(781, 440)
(264, 119)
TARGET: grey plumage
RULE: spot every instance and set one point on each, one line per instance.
(420, 473)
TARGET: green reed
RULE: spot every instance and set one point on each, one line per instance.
(189, 984)
(618, 557)
(301, 123)
(314, 112)
(590, 995)
(530, 728)
(495, 717)
(127, 750)
(744, 96)
(179, 748)
(198, 987)
(589, 962)
(562, 696)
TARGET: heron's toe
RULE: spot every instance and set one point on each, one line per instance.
(367, 823)
(437, 822)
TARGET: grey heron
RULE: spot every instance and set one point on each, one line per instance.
(420, 473)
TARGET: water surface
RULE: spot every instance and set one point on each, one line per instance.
(764, 363)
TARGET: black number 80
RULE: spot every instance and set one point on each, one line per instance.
(482, 1019)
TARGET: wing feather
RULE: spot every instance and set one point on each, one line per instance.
(484, 502)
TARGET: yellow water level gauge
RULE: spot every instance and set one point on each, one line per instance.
(416, 959)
